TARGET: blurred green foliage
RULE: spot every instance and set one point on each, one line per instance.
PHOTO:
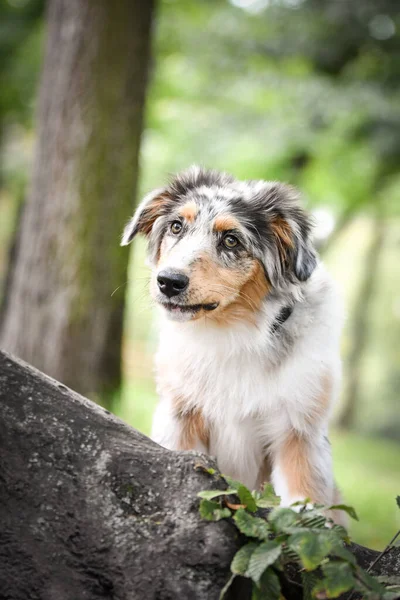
(306, 91)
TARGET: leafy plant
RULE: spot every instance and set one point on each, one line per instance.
(300, 535)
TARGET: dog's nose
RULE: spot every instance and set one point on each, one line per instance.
(171, 283)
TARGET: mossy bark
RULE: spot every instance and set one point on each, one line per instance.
(60, 312)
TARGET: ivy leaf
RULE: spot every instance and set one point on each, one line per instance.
(348, 509)
(212, 511)
(210, 494)
(267, 498)
(246, 498)
(338, 578)
(240, 562)
(311, 547)
(263, 557)
(250, 525)
(281, 518)
(269, 587)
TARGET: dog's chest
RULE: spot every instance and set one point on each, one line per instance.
(228, 378)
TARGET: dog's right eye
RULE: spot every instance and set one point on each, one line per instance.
(176, 227)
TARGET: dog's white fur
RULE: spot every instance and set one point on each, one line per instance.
(230, 375)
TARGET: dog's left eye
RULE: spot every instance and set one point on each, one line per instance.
(176, 227)
(230, 241)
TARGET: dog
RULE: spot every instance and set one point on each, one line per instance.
(248, 365)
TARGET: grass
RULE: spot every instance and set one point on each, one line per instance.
(368, 473)
(367, 469)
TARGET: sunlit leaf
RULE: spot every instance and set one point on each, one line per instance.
(267, 498)
(246, 498)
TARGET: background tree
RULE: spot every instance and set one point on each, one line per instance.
(60, 312)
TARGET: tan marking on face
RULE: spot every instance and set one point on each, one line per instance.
(295, 463)
(226, 223)
(249, 295)
(283, 235)
(192, 424)
(189, 211)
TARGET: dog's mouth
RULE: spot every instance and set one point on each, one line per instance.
(189, 308)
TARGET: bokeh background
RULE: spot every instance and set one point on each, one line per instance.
(305, 91)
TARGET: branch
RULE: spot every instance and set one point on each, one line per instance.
(91, 508)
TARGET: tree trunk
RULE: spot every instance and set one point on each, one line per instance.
(60, 313)
(92, 509)
(361, 311)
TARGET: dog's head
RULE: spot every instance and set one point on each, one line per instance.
(218, 246)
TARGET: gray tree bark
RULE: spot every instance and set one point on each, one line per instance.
(92, 509)
(59, 312)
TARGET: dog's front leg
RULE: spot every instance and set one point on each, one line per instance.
(176, 429)
(302, 468)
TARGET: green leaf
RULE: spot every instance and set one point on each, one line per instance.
(398, 501)
(311, 547)
(210, 494)
(309, 581)
(210, 471)
(348, 509)
(232, 482)
(267, 498)
(240, 562)
(269, 588)
(263, 557)
(371, 582)
(204, 469)
(281, 518)
(250, 525)
(246, 498)
(212, 511)
(389, 579)
(315, 521)
(341, 552)
(338, 578)
(341, 532)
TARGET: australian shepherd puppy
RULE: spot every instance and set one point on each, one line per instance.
(248, 363)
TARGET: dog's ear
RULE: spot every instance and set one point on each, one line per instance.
(152, 206)
(290, 226)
